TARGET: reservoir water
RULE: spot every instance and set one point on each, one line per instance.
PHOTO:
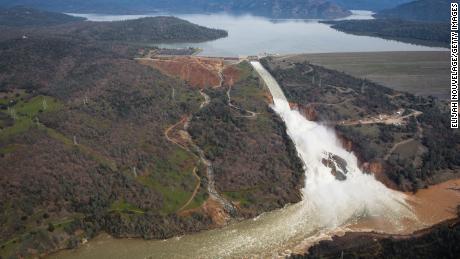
(251, 35)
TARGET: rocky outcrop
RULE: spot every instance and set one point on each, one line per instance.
(378, 170)
(337, 165)
(308, 111)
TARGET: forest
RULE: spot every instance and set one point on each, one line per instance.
(20, 16)
(252, 156)
(83, 147)
(81, 132)
(419, 10)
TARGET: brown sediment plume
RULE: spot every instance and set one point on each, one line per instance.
(436, 203)
(431, 206)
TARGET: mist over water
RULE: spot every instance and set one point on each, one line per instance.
(329, 201)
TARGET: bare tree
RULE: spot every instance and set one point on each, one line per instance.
(363, 87)
(135, 172)
(45, 105)
(85, 100)
(12, 112)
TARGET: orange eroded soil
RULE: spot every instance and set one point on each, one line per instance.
(197, 71)
(231, 75)
(215, 210)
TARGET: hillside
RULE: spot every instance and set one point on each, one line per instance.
(421, 10)
(160, 29)
(152, 29)
(422, 22)
(23, 16)
(270, 8)
(423, 33)
(369, 4)
(316, 9)
(405, 141)
(81, 140)
(90, 140)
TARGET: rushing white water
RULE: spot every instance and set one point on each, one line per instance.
(330, 201)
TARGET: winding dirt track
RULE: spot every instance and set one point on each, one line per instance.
(195, 191)
(197, 187)
(199, 154)
(396, 146)
(387, 120)
(252, 114)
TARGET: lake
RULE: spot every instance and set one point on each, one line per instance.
(252, 35)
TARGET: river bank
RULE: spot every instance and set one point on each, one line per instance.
(438, 241)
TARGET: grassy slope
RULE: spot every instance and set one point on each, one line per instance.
(420, 73)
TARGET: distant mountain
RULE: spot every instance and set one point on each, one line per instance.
(270, 8)
(421, 10)
(284, 8)
(373, 5)
(23, 16)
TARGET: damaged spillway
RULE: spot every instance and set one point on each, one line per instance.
(331, 201)
(336, 190)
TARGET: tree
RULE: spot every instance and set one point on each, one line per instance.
(50, 227)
